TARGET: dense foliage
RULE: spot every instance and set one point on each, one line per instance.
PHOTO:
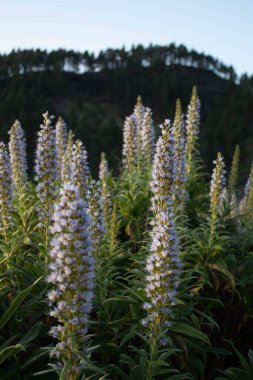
(93, 93)
(143, 275)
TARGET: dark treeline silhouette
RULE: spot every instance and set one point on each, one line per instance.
(94, 93)
(25, 61)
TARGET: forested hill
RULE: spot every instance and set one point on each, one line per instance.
(95, 93)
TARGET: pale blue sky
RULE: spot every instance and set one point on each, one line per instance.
(222, 28)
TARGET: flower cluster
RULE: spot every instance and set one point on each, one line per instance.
(192, 128)
(105, 191)
(234, 171)
(138, 116)
(18, 157)
(66, 164)
(180, 159)
(139, 111)
(97, 226)
(163, 267)
(61, 142)
(138, 138)
(248, 184)
(179, 117)
(147, 136)
(129, 144)
(71, 275)
(216, 189)
(163, 264)
(80, 171)
(5, 188)
(103, 168)
(163, 171)
(46, 168)
(246, 205)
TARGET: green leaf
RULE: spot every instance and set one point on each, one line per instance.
(45, 372)
(164, 371)
(241, 357)
(182, 376)
(89, 365)
(9, 341)
(119, 372)
(9, 351)
(33, 359)
(184, 329)
(211, 320)
(221, 266)
(218, 351)
(65, 370)
(32, 334)
(16, 303)
(238, 373)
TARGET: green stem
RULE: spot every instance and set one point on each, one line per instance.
(152, 357)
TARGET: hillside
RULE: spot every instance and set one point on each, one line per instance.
(95, 101)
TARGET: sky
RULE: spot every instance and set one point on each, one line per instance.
(222, 28)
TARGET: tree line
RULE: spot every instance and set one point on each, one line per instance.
(24, 61)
